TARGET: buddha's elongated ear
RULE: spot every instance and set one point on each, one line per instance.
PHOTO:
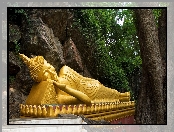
(25, 59)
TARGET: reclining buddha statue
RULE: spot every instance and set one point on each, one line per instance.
(67, 87)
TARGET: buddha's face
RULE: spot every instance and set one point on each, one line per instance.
(46, 72)
(48, 66)
(40, 69)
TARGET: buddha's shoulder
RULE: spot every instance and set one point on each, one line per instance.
(67, 70)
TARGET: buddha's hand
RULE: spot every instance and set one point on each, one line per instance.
(59, 85)
(77, 94)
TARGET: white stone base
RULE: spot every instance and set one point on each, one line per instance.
(46, 125)
(53, 128)
(46, 121)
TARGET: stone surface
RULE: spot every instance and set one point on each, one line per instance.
(72, 56)
(60, 21)
(38, 39)
(23, 81)
(57, 19)
(59, 120)
(72, 128)
(14, 38)
(87, 53)
(14, 33)
(44, 128)
(15, 99)
(14, 64)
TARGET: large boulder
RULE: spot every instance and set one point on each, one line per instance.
(73, 58)
(60, 21)
(87, 52)
(57, 19)
(38, 39)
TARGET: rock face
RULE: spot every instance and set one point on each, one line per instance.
(14, 33)
(40, 40)
(15, 99)
(57, 19)
(23, 82)
(14, 64)
(14, 38)
(72, 56)
(87, 52)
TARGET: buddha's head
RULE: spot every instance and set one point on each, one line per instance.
(37, 66)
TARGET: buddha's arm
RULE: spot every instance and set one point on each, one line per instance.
(77, 94)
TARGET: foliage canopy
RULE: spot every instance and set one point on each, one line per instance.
(112, 32)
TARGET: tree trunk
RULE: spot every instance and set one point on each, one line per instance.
(150, 104)
(162, 30)
(162, 35)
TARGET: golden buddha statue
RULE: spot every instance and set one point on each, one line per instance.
(68, 87)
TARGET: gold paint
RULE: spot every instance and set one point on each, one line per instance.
(50, 111)
(75, 88)
(96, 108)
(84, 109)
(80, 109)
(92, 108)
(64, 111)
(26, 110)
(103, 106)
(69, 88)
(75, 110)
(30, 110)
(39, 111)
(23, 110)
(98, 114)
(34, 111)
(88, 109)
(44, 111)
(107, 107)
(42, 93)
(69, 110)
(57, 111)
(112, 106)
